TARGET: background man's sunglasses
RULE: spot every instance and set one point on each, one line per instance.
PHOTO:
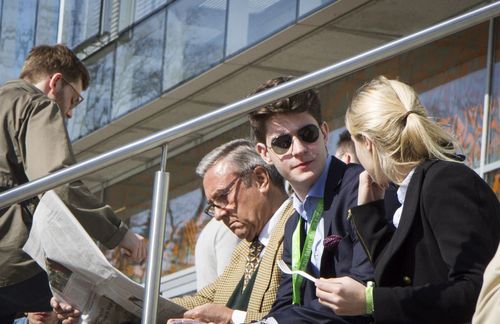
(307, 134)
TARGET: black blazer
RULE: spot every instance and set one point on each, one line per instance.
(429, 269)
(347, 258)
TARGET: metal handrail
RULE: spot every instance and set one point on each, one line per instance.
(246, 105)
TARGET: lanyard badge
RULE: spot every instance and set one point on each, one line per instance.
(300, 260)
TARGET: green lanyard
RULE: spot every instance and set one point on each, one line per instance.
(299, 262)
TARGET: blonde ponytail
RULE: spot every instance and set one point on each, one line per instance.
(389, 113)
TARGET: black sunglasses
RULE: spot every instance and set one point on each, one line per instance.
(282, 143)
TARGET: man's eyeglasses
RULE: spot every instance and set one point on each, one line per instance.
(79, 98)
(308, 134)
(222, 200)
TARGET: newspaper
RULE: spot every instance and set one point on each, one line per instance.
(79, 274)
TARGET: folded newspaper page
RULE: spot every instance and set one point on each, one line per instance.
(79, 274)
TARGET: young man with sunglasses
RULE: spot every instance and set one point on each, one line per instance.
(34, 143)
(292, 136)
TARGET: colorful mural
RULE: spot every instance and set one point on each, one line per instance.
(493, 179)
(458, 105)
(185, 219)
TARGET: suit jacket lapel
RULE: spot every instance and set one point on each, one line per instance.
(408, 215)
(334, 179)
(268, 263)
(238, 269)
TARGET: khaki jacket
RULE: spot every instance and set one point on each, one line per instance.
(488, 304)
(34, 142)
(266, 283)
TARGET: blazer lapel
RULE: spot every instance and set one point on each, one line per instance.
(408, 215)
(336, 172)
(333, 181)
(268, 263)
(237, 270)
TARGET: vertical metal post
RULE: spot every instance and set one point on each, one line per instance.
(487, 96)
(156, 239)
(60, 25)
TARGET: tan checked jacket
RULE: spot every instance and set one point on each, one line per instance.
(266, 283)
(488, 304)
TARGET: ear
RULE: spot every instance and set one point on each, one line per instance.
(325, 131)
(261, 178)
(53, 83)
(368, 143)
(348, 158)
(261, 148)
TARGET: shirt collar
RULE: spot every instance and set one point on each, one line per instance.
(316, 192)
(404, 187)
(401, 198)
(267, 230)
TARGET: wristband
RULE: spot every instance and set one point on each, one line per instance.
(369, 297)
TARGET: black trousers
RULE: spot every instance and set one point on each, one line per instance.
(32, 295)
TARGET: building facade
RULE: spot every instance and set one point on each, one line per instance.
(157, 63)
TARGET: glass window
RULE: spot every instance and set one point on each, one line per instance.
(306, 6)
(185, 219)
(184, 223)
(493, 147)
(138, 65)
(452, 84)
(82, 20)
(132, 11)
(106, 16)
(195, 39)
(145, 7)
(47, 22)
(250, 21)
(450, 76)
(493, 179)
(126, 14)
(18, 31)
(94, 112)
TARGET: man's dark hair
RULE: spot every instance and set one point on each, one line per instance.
(345, 143)
(46, 60)
(306, 101)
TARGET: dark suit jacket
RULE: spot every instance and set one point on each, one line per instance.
(429, 269)
(347, 259)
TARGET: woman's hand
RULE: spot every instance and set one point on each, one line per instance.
(368, 189)
(345, 296)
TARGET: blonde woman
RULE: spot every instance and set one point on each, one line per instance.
(430, 259)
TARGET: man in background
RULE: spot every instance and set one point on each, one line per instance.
(38, 318)
(34, 143)
(213, 251)
(345, 151)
